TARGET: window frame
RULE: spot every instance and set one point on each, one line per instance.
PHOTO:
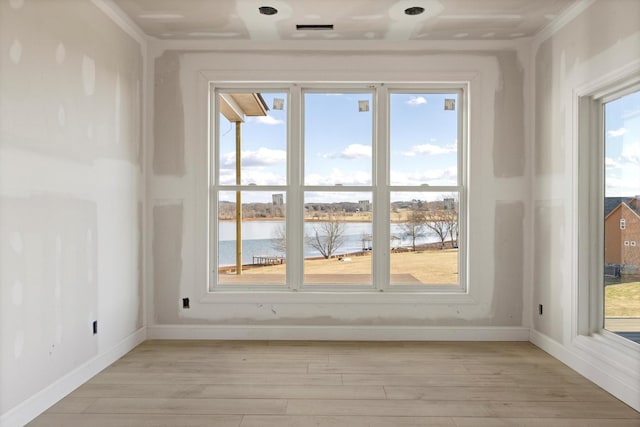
(590, 154)
(215, 187)
(304, 187)
(380, 188)
(460, 188)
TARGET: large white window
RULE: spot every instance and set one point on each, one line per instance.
(340, 188)
(621, 219)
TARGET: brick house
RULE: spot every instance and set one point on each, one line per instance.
(622, 233)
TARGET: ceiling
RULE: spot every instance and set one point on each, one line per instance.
(352, 19)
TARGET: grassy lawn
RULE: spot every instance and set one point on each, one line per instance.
(622, 300)
(427, 267)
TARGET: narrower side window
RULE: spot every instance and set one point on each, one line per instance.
(622, 215)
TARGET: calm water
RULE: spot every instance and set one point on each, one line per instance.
(258, 239)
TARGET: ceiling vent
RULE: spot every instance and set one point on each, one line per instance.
(302, 27)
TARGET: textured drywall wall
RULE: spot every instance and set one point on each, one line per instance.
(49, 292)
(602, 39)
(509, 145)
(496, 160)
(168, 120)
(509, 248)
(167, 256)
(550, 273)
(70, 191)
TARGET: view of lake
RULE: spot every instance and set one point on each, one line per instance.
(258, 239)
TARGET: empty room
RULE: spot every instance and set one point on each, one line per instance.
(320, 213)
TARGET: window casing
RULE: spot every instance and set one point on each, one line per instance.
(310, 198)
(608, 180)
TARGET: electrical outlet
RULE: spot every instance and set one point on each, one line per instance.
(540, 309)
(95, 327)
(185, 303)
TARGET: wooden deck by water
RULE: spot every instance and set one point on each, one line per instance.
(265, 384)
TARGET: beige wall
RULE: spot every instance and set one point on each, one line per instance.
(601, 40)
(71, 191)
(498, 178)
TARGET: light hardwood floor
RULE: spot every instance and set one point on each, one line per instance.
(269, 384)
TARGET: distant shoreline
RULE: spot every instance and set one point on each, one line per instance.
(311, 219)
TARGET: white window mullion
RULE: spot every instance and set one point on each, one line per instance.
(463, 156)
(295, 201)
(381, 199)
(213, 193)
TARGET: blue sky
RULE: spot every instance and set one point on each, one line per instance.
(622, 146)
(338, 141)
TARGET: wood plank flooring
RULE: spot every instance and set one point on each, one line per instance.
(336, 384)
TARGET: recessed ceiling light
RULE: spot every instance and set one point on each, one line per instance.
(267, 10)
(415, 10)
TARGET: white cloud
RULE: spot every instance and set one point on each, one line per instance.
(623, 187)
(611, 163)
(353, 151)
(417, 100)
(430, 150)
(445, 176)
(265, 120)
(338, 176)
(623, 179)
(252, 176)
(631, 153)
(262, 157)
(616, 132)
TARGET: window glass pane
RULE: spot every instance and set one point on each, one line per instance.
(622, 216)
(256, 123)
(424, 238)
(338, 238)
(424, 138)
(262, 240)
(338, 131)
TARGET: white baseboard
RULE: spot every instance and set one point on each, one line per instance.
(600, 367)
(337, 333)
(41, 401)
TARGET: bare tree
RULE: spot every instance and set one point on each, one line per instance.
(280, 239)
(436, 222)
(450, 217)
(327, 237)
(415, 226)
(451, 220)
